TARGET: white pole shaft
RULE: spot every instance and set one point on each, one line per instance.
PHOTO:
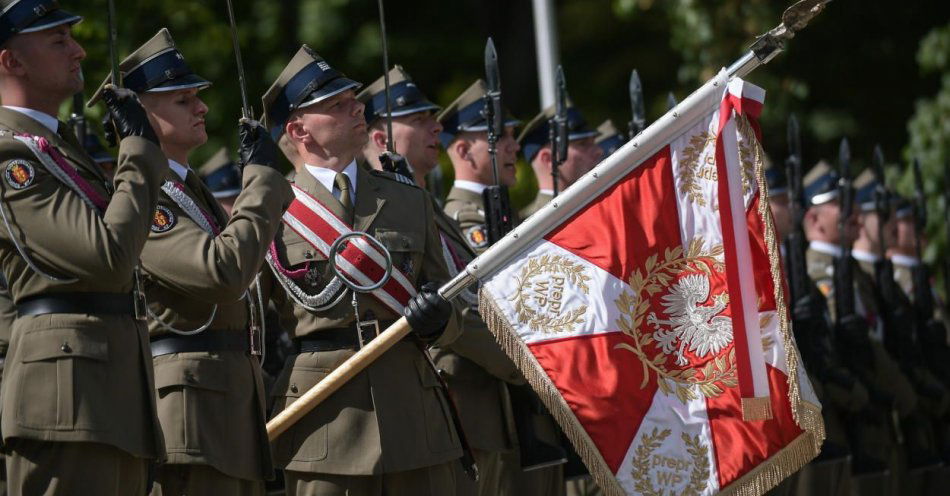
(545, 41)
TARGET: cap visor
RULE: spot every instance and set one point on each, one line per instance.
(51, 20)
(338, 85)
(414, 108)
(582, 135)
(182, 83)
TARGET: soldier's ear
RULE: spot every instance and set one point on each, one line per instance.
(296, 131)
(543, 158)
(462, 149)
(9, 63)
(378, 138)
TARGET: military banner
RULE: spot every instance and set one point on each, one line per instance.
(652, 320)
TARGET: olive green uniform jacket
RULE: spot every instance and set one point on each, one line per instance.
(540, 200)
(467, 209)
(211, 404)
(78, 377)
(475, 366)
(392, 416)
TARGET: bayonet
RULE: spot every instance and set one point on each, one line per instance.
(923, 299)
(882, 198)
(844, 298)
(246, 111)
(390, 160)
(638, 120)
(498, 218)
(798, 270)
(558, 128)
(113, 49)
(670, 101)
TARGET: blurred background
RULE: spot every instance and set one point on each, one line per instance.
(874, 71)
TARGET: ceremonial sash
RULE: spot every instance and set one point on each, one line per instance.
(176, 192)
(56, 164)
(359, 261)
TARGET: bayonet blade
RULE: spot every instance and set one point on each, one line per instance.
(246, 111)
(389, 107)
(113, 50)
(793, 164)
(561, 118)
(877, 161)
(844, 159)
(493, 80)
(671, 101)
(638, 120)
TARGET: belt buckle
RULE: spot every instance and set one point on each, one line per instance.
(367, 326)
(254, 337)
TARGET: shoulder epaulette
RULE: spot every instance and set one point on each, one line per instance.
(392, 176)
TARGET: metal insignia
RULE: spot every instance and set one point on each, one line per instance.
(19, 174)
(476, 236)
(163, 220)
(406, 266)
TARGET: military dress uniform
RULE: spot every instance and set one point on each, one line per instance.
(7, 316)
(203, 318)
(78, 408)
(474, 366)
(389, 428)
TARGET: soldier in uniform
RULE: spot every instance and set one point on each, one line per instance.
(223, 178)
(582, 154)
(204, 322)
(389, 430)
(99, 154)
(608, 138)
(7, 316)
(465, 139)
(861, 350)
(78, 407)
(475, 367)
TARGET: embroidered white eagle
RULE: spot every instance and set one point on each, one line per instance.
(697, 326)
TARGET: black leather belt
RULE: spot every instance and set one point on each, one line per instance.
(342, 338)
(86, 303)
(208, 341)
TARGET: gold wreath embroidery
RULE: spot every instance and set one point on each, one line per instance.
(644, 460)
(573, 274)
(691, 168)
(718, 373)
(749, 153)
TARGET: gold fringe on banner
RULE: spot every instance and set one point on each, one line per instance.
(519, 353)
(756, 408)
(771, 472)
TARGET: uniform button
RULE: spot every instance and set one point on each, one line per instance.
(189, 378)
(308, 254)
(293, 388)
(65, 347)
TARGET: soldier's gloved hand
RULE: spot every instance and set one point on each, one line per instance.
(127, 112)
(428, 312)
(108, 131)
(256, 145)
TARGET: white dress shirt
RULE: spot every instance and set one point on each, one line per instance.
(43, 118)
(327, 178)
(180, 170)
(472, 186)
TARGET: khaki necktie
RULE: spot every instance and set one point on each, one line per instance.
(343, 184)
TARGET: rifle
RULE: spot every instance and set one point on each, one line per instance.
(923, 299)
(390, 160)
(844, 280)
(77, 118)
(246, 111)
(946, 212)
(638, 120)
(557, 128)
(113, 49)
(498, 219)
(796, 243)
(671, 101)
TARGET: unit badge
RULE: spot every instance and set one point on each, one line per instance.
(163, 220)
(477, 236)
(19, 174)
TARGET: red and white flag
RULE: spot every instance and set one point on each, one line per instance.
(651, 317)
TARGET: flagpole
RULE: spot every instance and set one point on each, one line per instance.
(592, 184)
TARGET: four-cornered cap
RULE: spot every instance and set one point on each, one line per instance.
(156, 66)
(467, 114)
(27, 16)
(864, 187)
(775, 179)
(95, 149)
(404, 96)
(535, 135)
(308, 79)
(608, 138)
(221, 174)
(820, 185)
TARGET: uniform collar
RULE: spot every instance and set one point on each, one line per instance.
(826, 248)
(327, 177)
(472, 186)
(905, 260)
(180, 170)
(48, 121)
(549, 192)
(865, 256)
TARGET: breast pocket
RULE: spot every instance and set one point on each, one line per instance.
(61, 384)
(405, 248)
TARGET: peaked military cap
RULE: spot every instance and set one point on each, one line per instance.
(154, 67)
(404, 96)
(28, 16)
(864, 187)
(221, 175)
(307, 80)
(608, 138)
(95, 149)
(903, 207)
(535, 135)
(820, 185)
(467, 114)
(776, 180)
